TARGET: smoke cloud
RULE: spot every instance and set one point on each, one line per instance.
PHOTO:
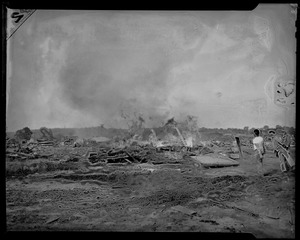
(80, 69)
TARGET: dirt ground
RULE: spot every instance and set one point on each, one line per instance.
(173, 197)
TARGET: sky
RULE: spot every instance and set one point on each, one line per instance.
(86, 68)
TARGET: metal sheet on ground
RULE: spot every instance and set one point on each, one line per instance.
(210, 161)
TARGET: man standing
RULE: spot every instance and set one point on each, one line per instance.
(286, 140)
(259, 148)
(275, 138)
(281, 146)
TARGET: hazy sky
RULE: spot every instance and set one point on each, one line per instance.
(84, 68)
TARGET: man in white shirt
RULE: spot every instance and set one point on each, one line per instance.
(259, 148)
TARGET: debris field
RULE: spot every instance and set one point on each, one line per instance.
(212, 186)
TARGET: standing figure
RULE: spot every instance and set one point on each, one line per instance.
(286, 140)
(259, 148)
(275, 138)
(281, 146)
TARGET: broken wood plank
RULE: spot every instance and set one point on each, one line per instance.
(12, 155)
(136, 161)
(52, 219)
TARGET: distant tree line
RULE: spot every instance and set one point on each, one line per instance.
(248, 130)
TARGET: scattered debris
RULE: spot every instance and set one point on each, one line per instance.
(69, 140)
(157, 172)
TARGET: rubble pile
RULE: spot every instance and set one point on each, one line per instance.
(69, 140)
(47, 138)
(108, 152)
(104, 155)
(11, 143)
(170, 147)
(23, 135)
(143, 154)
(132, 154)
(29, 150)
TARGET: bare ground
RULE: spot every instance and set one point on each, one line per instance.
(153, 197)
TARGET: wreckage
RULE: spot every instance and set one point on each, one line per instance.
(102, 150)
(208, 153)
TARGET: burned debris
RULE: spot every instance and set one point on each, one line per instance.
(173, 146)
(175, 170)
